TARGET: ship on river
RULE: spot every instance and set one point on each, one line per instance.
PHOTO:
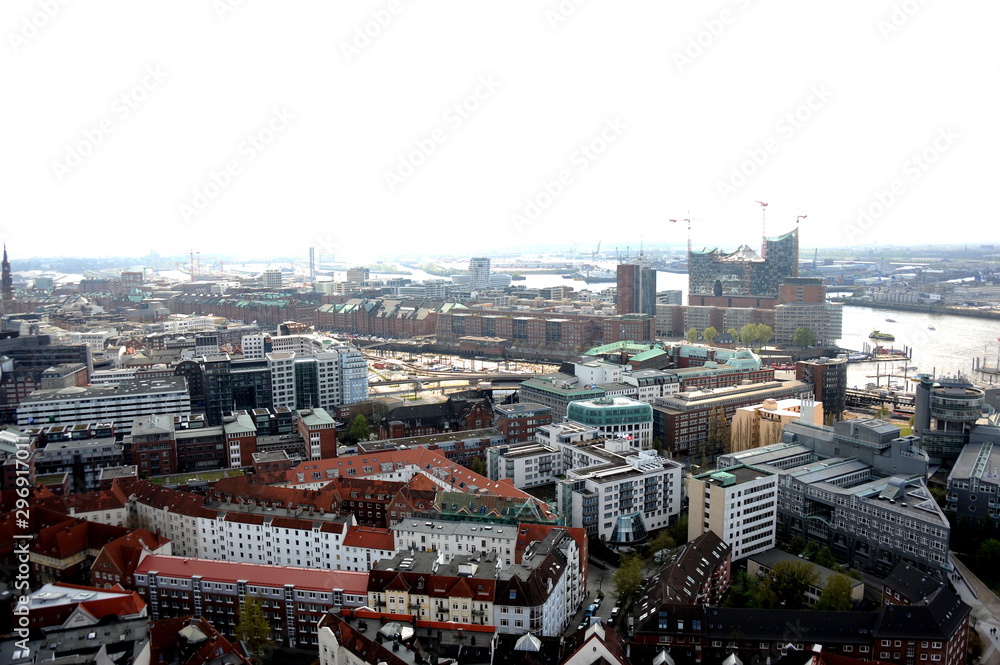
(878, 334)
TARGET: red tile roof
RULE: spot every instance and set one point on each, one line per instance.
(431, 463)
(164, 643)
(255, 574)
(370, 537)
(87, 502)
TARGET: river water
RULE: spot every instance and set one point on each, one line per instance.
(947, 349)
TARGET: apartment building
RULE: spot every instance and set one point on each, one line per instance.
(293, 598)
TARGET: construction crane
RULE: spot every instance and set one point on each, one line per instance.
(597, 251)
(763, 229)
(688, 220)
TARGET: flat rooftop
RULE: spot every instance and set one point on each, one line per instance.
(128, 388)
(735, 475)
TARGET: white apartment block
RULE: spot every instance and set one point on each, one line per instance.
(740, 504)
(597, 371)
(223, 531)
(449, 539)
(97, 340)
(253, 346)
(271, 279)
(282, 366)
(120, 403)
(626, 497)
(339, 370)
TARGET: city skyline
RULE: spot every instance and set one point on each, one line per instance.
(356, 128)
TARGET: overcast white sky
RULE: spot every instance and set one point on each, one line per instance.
(121, 117)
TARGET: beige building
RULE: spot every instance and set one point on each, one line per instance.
(761, 424)
(739, 504)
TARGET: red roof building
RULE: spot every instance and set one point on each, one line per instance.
(293, 599)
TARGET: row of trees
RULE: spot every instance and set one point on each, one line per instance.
(753, 334)
(785, 587)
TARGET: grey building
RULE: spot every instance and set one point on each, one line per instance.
(556, 391)
(83, 459)
(974, 481)
(859, 489)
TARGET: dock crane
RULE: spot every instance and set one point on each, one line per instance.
(763, 229)
(688, 220)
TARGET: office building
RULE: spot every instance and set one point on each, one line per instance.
(556, 391)
(271, 279)
(683, 421)
(828, 378)
(858, 488)
(945, 413)
(739, 503)
(518, 422)
(636, 293)
(119, 404)
(615, 417)
(761, 424)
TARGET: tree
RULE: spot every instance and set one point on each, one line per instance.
(742, 591)
(785, 585)
(663, 541)
(657, 445)
(679, 529)
(824, 557)
(764, 334)
(748, 334)
(796, 545)
(988, 555)
(359, 430)
(628, 578)
(836, 595)
(478, 466)
(692, 335)
(803, 337)
(734, 333)
(710, 333)
(253, 629)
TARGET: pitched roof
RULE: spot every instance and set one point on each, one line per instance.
(681, 577)
(911, 583)
(938, 616)
(352, 582)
